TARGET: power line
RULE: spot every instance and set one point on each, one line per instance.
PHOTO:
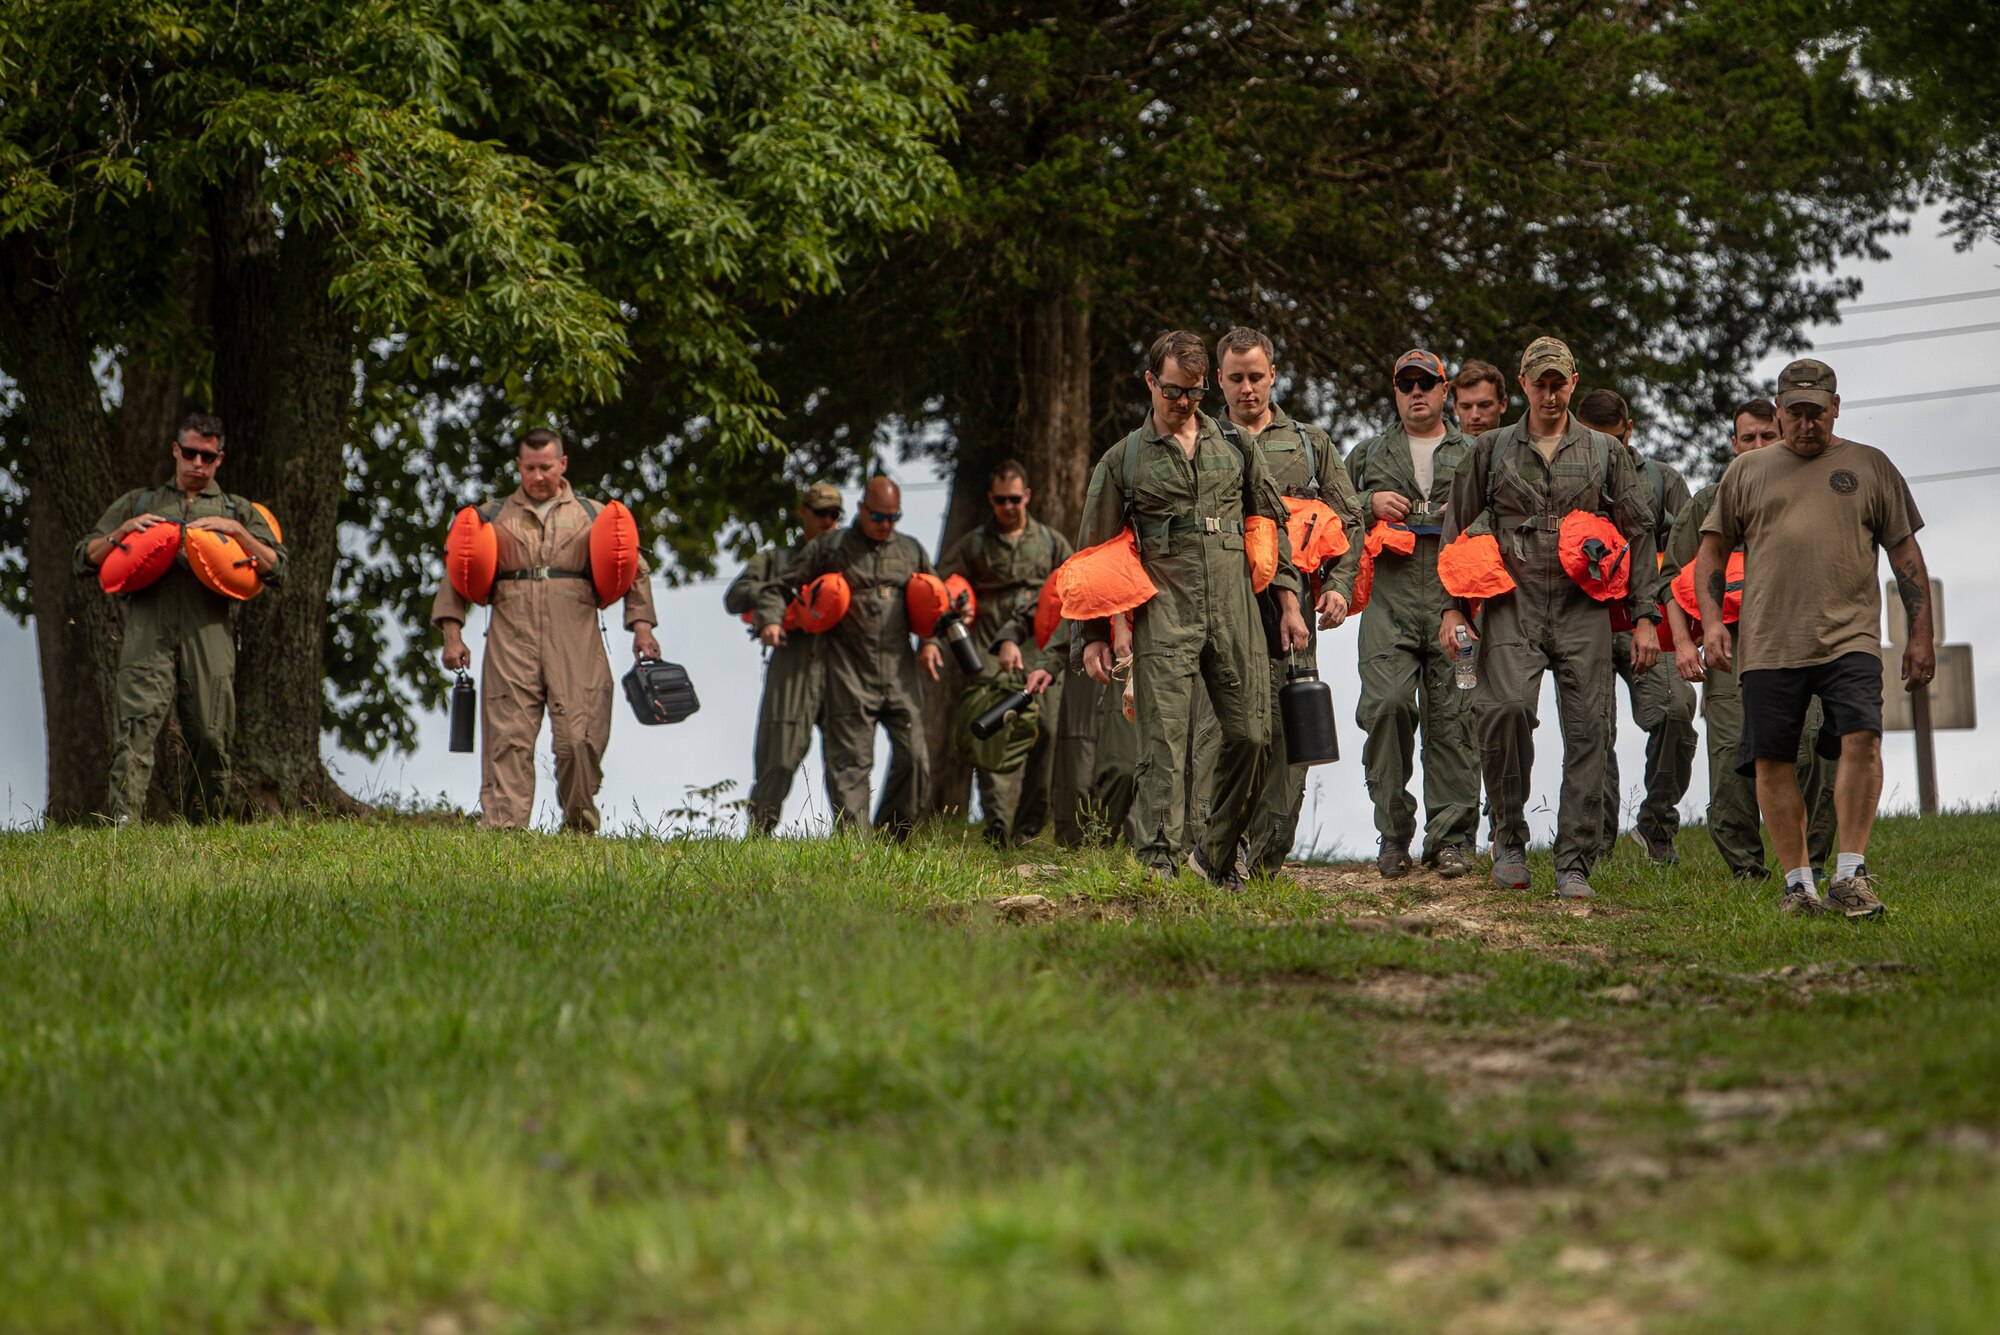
(1953, 477)
(1872, 307)
(1966, 393)
(1917, 336)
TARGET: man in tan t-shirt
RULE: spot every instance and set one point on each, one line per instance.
(1809, 518)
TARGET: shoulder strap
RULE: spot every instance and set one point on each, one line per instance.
(1657, 476)
(1312, 455)
(590, 507)
(1232, 436)
(490, 511)
(1132, 443)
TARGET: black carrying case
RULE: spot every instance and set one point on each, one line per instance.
(660, 692)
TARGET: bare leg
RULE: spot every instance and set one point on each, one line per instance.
(1784, 809)
(1857, 787)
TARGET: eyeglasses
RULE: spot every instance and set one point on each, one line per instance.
(1181, 393)
(998, 499)
(198, 456)
(878, 517)
(829, 512)
(1417, 384)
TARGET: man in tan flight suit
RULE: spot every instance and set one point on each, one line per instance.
(542, 652)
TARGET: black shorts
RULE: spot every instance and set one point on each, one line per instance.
(1775, 701)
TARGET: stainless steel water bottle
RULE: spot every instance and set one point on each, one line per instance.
(1305, 706)
(464, 713)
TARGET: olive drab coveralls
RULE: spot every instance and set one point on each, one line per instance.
(544, 653)
(1303, 462)
(178, 654)
(1735, 825)
(1201, 631)
(1662, 704)
(1407, 682)
(794, 684)
(1547, 622)
(871, 673)
(1006, 573)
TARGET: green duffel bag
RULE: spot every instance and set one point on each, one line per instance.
(1006, 750)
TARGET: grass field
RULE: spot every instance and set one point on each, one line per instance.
(396, 1077)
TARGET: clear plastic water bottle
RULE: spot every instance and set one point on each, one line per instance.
(1463, 659)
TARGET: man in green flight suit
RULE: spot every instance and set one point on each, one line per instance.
(1403, 479)
(793, 677)
(1006, 561)
(1191, 489)
(180, 646)
(1662, 704)
(1526, 479)
(1735, 825)
(1304, 463)
(871, 675)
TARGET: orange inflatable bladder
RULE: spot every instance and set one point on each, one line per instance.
(141, 559)
(1048, 611)
(222, 563)
(1383, 536)
(614, 552)
(1316, 532)
(1470, 567)
(959, 589)
(472, 555)
(926, 599)
(1104, 580)
(1732, 590)
(1260, 548)
(270, 519)
(1595, 555)
(819, 606)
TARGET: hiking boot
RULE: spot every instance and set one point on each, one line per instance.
(1510, 866)
(1452, 862)
(1232, 881)
(1855, 896)
(1801, 902)
(1573, 885)
(1393, 861)
(1659, 853)
(995, 835)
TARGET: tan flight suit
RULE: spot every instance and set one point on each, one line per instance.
(544, 653)
(178, 655)
(871, 673)
(1548, 622)
(794, 683)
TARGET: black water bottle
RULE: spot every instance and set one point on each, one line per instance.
(1305, 704)
(998, 717)
(464, 712)
(951, 628)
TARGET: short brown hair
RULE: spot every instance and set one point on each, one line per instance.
(1603, 408)
(206, 425)
(1241, 340)
(1005, 469)
(1480, 373)
(537, 439)
(1184, 347)
(1762, 409)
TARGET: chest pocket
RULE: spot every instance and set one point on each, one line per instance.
(1575, 486)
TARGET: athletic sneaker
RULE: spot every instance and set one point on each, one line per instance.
(1573, 885)
(1658, 853)
(1801, 902)
(1452, 862)
(1510, 866)
(1393, 861)
(1231, 881)
(1855, 896)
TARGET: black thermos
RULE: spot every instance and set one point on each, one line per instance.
(1000, 715)
(952, 627)
(1305, 703)
(464, 713)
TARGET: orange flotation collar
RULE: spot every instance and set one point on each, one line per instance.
(1595, 555)
(472, 555)
(614, 552)
(1048, 611)
(1732, 590)
(819, 606)
(1104, 580)
(221, 563)
(1260, 549)
(1469, 566)
(1383, 536)
(1316, 532)
(141, 559)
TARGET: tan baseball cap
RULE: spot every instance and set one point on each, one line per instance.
(822, 496)
(1546, 354)
(1807, 381)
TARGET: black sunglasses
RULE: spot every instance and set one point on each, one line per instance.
(198, 456)
(1182, 393)
(998, 499)
(830, 512)
(1418, 384)
(879, 517)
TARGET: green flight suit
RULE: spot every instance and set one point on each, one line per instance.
(1077, 725)
(178, 655)
(1114, 782)
(1548, 622)
(870, 673)
(1735, 824)
(794, 683)
(1006, 573)
(1201, 631)
(1662, 704)
(1407, 681)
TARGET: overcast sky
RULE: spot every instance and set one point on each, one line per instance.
(649, 771)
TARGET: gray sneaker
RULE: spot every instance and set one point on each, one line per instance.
(1658, 853)
(1510, 866)
(1855, 896)
(1393, 861)
(1801, 902)
(1452, 862)
(1573, 885)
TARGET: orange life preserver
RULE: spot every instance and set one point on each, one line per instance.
(1260, 549)
(472, 555)
(1104, 580)
(926, 599)
(141, 559)
(270, 519)
(1316, 532)
(1469, 566)
(1732, 590)
(959, 590)
(819, 606)
(1048, 610)
(1383, 536)
(614, 552)
(1595, 555)
(221, 562)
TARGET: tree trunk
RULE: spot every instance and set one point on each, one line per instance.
(1052, 415)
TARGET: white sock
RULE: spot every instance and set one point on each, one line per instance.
(1846, 864)
(1800, 877)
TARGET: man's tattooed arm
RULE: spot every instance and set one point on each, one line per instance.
(1910, 587)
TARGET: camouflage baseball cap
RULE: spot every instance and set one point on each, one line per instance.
(1807, 381)
(1546, 354)
(822, 496)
